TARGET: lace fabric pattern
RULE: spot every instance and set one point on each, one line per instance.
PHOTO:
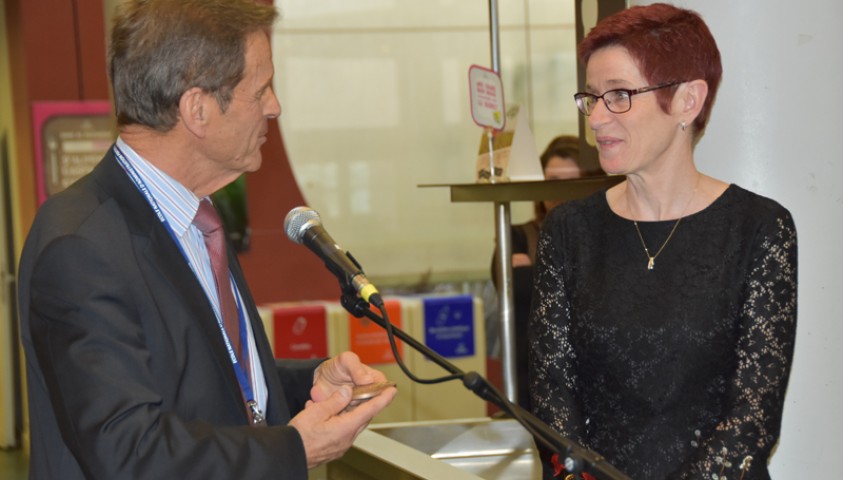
(678, 372)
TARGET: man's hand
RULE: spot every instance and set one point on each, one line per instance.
(344, 369)
(326, 429)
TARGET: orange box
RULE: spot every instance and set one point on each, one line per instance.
(370, 341)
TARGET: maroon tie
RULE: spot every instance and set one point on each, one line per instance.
(209, 223)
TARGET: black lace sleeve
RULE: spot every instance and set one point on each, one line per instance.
(750, 427)
(552, 374)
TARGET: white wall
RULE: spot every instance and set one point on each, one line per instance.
(776, 129)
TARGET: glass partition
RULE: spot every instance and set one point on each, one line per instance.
(374, 95)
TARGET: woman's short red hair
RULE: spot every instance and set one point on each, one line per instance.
(669, 44)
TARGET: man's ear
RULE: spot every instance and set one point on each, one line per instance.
(193, 111)
(692, 98)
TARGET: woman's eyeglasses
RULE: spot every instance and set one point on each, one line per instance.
(618, 100)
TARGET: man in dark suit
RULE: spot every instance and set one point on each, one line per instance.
(131, 366)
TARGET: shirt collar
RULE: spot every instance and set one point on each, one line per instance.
(177, 203)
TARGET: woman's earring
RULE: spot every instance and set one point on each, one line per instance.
(682, 125)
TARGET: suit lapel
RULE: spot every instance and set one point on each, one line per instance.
(164, 264)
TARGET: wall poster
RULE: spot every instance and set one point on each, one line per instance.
(70, 138)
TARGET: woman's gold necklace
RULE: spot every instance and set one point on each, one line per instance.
(651, 259)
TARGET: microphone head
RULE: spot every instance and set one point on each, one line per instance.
(299, 220)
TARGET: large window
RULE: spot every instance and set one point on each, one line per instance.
(374, 95)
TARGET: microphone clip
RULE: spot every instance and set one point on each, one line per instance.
(354, 304)
(347, 280)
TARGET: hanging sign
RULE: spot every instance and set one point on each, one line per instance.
(486, 92)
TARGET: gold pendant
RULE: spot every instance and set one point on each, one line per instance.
(651, 263)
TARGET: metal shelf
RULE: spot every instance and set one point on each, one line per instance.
(530, 191)
(502, 194)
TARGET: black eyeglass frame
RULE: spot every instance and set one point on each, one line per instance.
(580, 97)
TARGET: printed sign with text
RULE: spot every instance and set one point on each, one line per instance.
(487, 104)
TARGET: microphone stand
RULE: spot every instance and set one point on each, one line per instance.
(577, 458)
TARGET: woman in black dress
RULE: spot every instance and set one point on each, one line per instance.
(664, 309)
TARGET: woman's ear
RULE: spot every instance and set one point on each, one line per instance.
(691, 99)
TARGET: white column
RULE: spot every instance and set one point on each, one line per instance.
(777, 129)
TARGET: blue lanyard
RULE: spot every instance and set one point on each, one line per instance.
(245, 383)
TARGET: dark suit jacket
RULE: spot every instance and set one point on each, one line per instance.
(128, 375)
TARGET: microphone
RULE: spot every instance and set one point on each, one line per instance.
(304, 226)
